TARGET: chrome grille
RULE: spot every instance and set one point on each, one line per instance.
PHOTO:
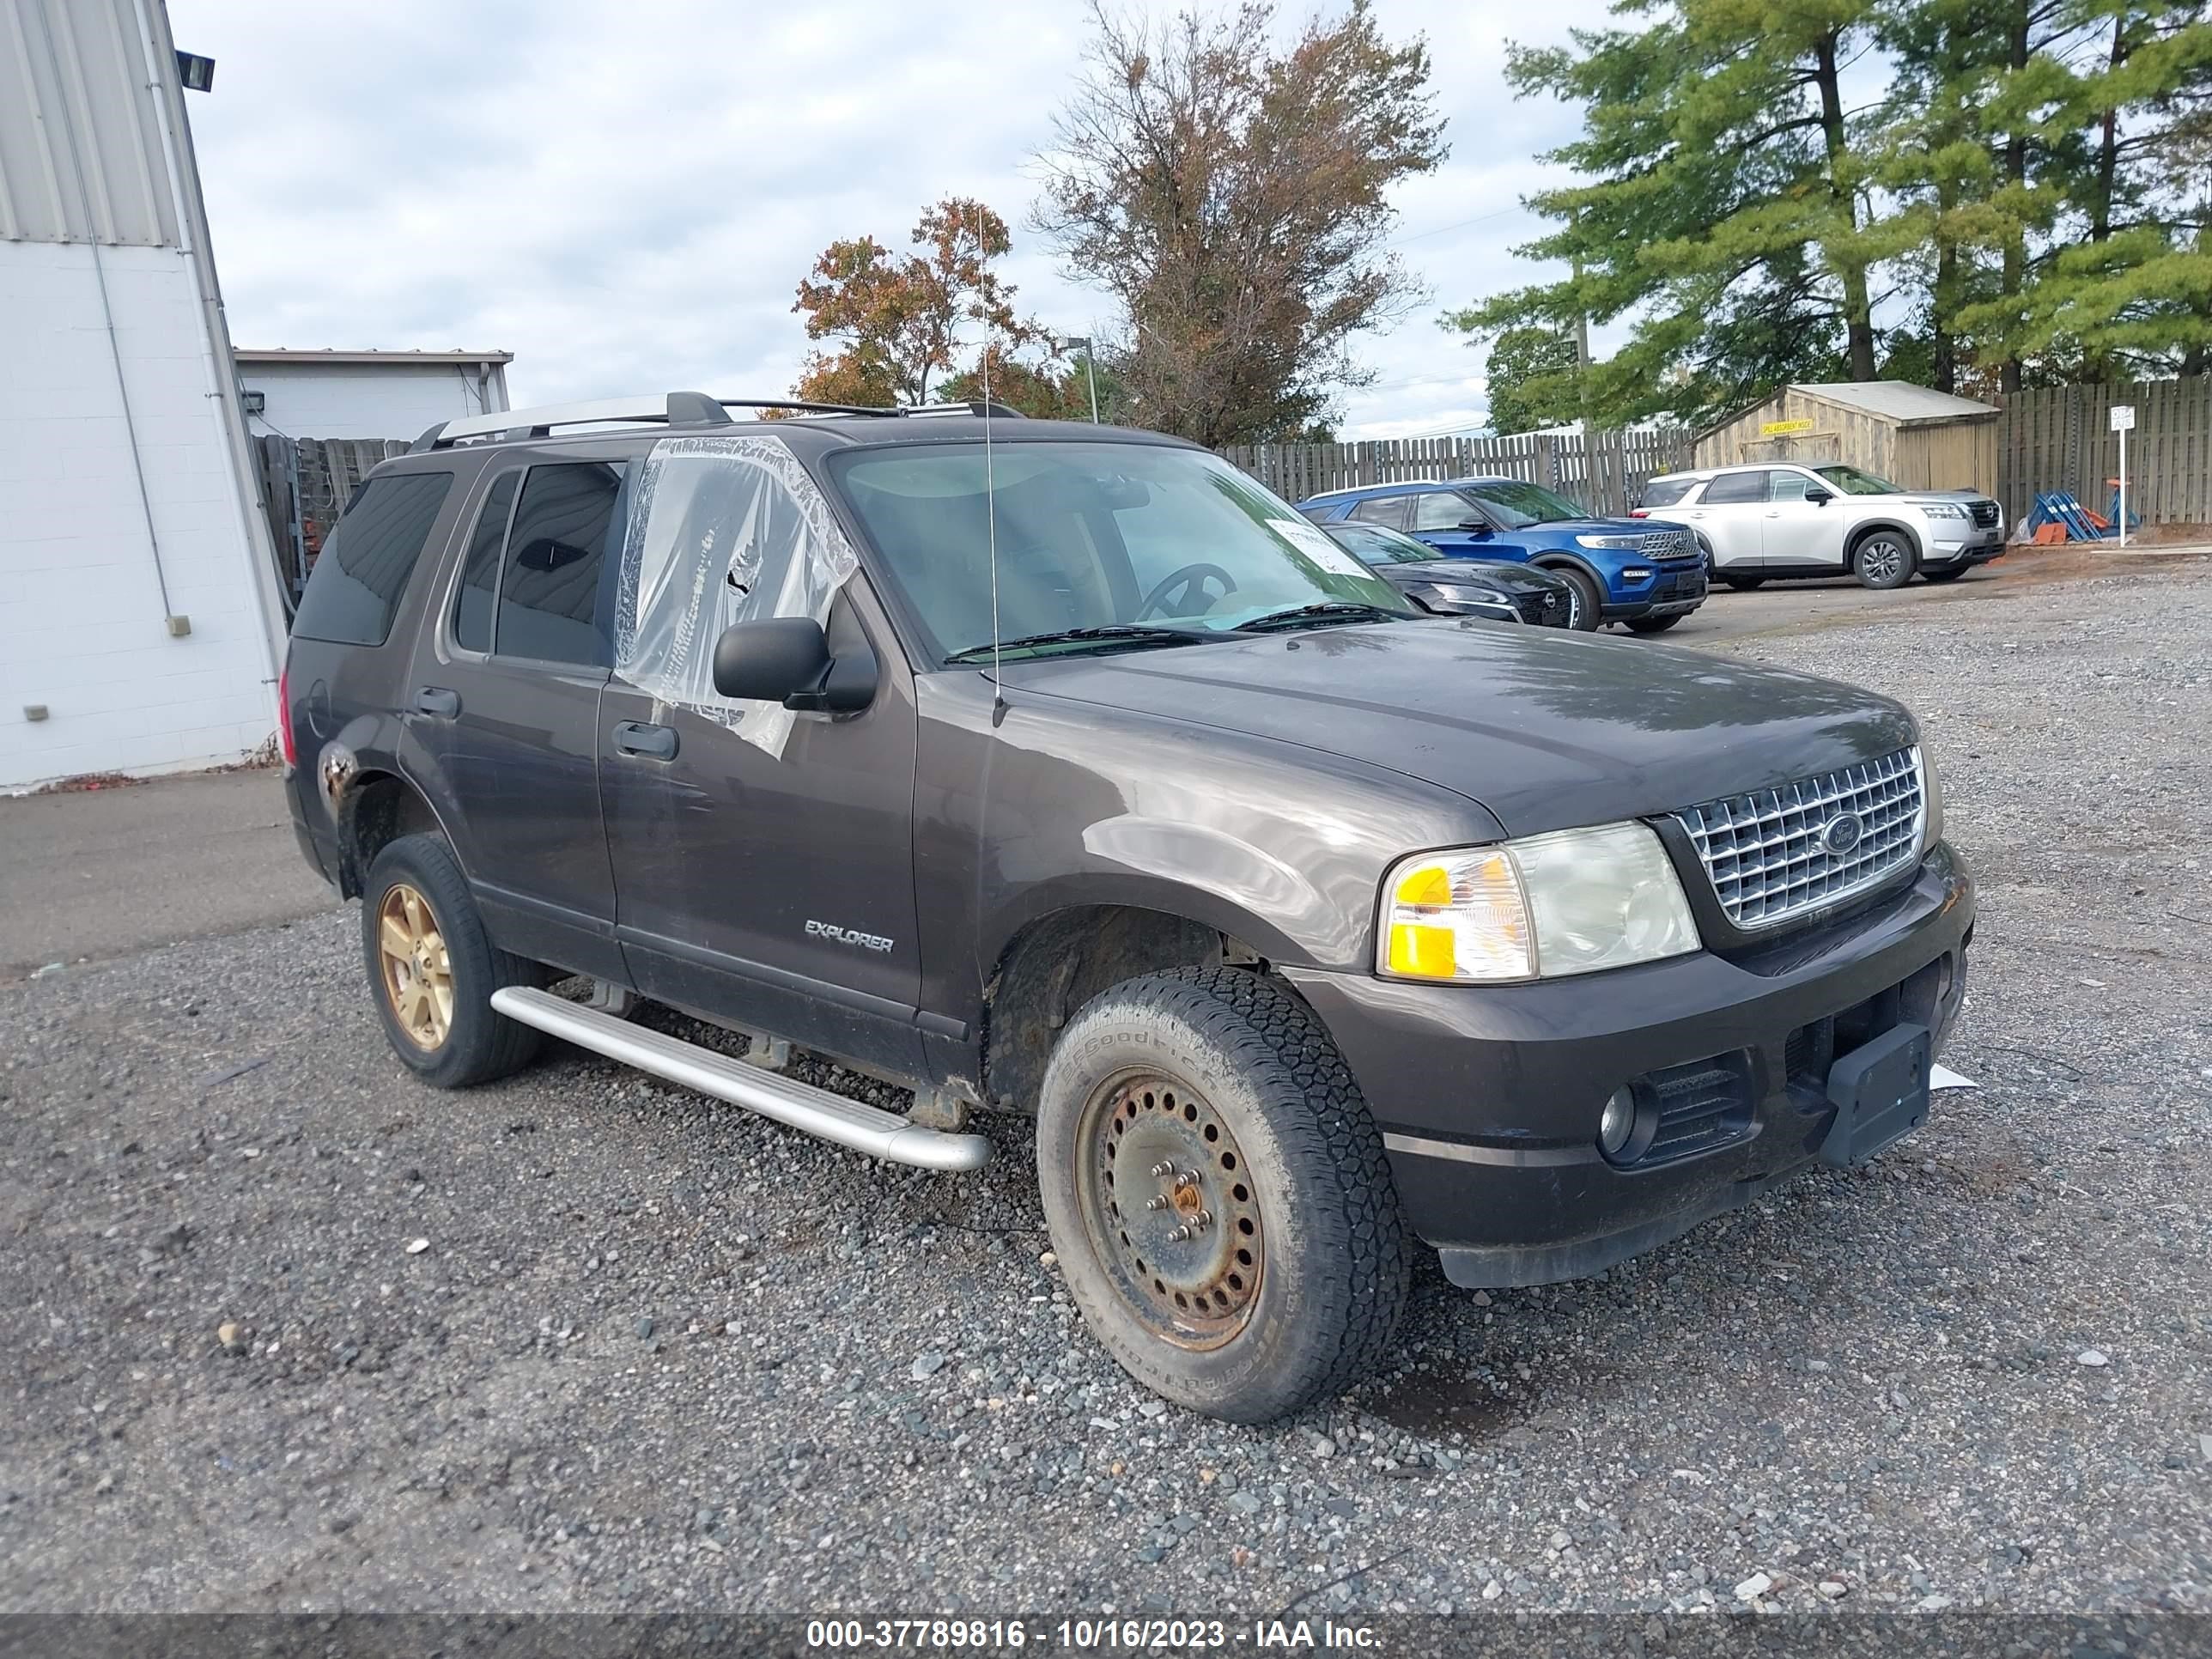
(1666, 544)
(1985, 511)
(1771, 855)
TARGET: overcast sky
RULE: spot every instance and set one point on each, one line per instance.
(625, 196)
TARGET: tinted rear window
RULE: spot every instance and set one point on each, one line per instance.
(365, 564)
(550, 604)
(1665, 492)
(1735, 487)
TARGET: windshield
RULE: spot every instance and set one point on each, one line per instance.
(1101, 546)
(1520, 504)
(1853, 482)
(1372, 544)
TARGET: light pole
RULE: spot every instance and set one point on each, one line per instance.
(1089, 368)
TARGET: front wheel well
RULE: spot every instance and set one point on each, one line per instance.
(1858, 537)
(1060, 961)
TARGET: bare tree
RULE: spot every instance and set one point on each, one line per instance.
(1232, 197)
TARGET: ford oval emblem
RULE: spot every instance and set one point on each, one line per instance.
(1842, 833)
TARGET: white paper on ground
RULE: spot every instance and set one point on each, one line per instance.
(1943, 1077)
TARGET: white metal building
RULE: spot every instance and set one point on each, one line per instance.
(140, 625)
(368, 394)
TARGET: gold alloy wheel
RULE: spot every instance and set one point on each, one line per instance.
(417, 975)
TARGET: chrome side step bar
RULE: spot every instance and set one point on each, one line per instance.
(816, 1112)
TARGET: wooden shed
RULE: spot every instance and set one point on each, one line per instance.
(1921, 439)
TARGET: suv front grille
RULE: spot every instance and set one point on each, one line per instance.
(1985, 513)
(1667, 544)
(1776, 854)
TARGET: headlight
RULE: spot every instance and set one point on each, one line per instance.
(1457, 593)
(1931, 799)
(1630, 543)
(1568, 902)
(1943, 509)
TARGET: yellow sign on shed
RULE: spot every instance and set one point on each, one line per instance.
(1782, 428)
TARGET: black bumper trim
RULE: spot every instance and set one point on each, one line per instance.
(1505, 1267)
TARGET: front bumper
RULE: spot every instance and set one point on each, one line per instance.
(1976, 547)
(1671, 591)
(1489, 1098)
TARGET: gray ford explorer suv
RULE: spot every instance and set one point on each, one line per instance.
(1063, 771)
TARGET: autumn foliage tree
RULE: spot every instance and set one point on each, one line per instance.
(1232, 194)
(894, 319)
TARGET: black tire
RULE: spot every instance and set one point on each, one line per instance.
(1883, 559)
(1589, 601)
(472, 1044)
(1654, 624)
(1743, 584)
(1327, 1247)
(1942, 576)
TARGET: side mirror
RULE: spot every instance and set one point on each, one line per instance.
(786, 659)
(1475, 526)
(1819, 497)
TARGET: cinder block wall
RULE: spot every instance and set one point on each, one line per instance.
(83, 624)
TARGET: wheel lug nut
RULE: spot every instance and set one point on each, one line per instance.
(1159, 1170)
(1156, 1204)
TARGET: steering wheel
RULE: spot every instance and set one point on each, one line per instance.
(1188, 584)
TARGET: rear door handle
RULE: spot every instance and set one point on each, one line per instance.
(653, 742)
(436, 700)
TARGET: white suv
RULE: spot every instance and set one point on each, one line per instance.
(1779, 518)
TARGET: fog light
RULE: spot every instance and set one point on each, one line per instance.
(1617, 1124)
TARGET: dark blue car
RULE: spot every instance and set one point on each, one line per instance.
(1627, 570)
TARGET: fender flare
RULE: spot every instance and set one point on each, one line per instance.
(1859, 532)
(1560, 558)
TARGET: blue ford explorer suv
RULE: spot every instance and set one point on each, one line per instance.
(1622, 569)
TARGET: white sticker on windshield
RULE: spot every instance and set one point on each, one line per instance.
(1315, 544)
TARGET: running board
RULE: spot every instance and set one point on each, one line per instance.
(802, 1106)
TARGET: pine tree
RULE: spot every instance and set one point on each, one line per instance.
(2130, 289)
(1726, 213)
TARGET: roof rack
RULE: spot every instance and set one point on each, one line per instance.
(672, 408)
(668, 410)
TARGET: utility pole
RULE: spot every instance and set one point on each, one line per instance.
(1089, 368)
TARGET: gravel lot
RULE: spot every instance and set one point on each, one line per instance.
(657, 1353)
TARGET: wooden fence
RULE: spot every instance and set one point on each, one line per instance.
(305, 484)
(2061, 438)
(1602, 472)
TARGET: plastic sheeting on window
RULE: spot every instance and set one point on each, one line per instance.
(720, 531)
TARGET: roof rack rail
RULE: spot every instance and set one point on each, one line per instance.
(810, 409)
(670, 408)
(997, 410)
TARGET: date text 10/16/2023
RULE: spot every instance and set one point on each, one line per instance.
(1086, 1635)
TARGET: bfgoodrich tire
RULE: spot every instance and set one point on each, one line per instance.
(1218, 1194)
(432, 969)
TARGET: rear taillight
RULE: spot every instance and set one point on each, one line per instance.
(284, 717)
(1637, 513)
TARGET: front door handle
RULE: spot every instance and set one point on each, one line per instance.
(436, 700)
(652, 742)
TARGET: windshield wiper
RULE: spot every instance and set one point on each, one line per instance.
(1327, 610)
(1134, 632)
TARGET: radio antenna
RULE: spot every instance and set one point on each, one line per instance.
(990, 493)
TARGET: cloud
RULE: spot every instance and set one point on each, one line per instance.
(626, 196)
